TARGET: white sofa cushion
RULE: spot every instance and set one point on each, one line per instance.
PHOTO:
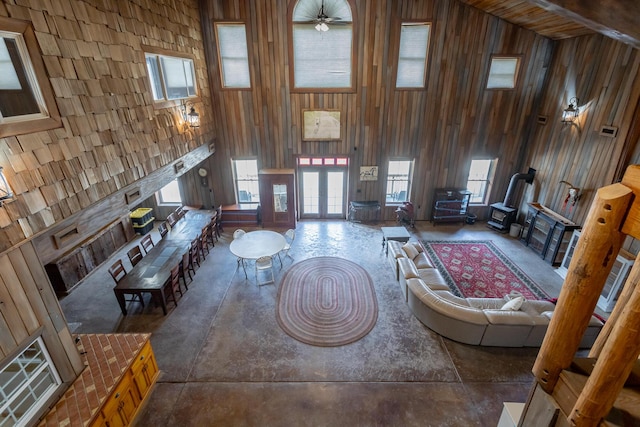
(410, 249)
(513, 304)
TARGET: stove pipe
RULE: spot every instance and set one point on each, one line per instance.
(528, 177)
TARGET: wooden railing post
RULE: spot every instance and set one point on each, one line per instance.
(591, 263)
(619, 355)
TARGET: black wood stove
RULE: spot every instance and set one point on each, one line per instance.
(502, 215)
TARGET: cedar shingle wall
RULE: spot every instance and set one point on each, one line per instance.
(111, 136)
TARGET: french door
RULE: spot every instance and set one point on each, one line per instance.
(323, 192)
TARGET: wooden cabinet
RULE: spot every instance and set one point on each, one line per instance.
(450, 205)
(126, 399)
(120, 409)
(546, 233)
(66, 272)
(277, 198)
(144, 370)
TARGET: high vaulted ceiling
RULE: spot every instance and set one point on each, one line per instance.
(561, 19)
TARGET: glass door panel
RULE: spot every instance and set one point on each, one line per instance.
(335, 193)
(310, 193)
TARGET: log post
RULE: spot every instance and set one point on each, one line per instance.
(619, 355)
(623, 299)
(591, 263)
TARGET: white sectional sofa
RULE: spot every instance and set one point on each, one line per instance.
(477, 321)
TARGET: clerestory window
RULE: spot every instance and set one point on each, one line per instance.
(412, 55)
(27, 102)
(322, 45)
(171, 77)
(233, 55)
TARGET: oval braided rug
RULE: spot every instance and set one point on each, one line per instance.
(327, 302)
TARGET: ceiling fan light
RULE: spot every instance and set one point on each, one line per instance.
(324, 27)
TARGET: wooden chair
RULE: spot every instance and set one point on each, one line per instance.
(213, 226)
(194, 251)
(147, 243)
(163, 230)
(118, 271)
(180, 212)
(173, 285)
(135, 255)
(211, 234)
(172, 219)
(263, 264)
(219, 228)
(186, 267)
(203, 244)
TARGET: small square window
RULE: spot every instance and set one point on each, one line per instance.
(503, 72)
(169, 194)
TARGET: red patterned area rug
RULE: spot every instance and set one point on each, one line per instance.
(327, 302)
(478, 269)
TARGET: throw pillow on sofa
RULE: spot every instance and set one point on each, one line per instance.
(410, 249)
(513, 304)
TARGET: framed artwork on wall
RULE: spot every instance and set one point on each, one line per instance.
(368, 173)
(320, 125)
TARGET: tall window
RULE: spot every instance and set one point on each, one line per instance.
(246, 179)
(398, 181)
(26, 384)
(233, 54)
(481, 175)
(412, 55)
(171, 77)
(503, 72)
(322, 37)
(169, 194)
(27, 103)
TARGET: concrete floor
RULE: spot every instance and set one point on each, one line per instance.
(225, 361)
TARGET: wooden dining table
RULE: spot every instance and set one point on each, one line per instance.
(152, 273)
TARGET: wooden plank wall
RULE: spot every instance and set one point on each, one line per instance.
(604, 75)
(443, 127)
(29, 307)
(112, 136)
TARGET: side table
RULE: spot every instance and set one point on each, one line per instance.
(394, 233)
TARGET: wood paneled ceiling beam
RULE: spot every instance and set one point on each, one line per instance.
(617, 19)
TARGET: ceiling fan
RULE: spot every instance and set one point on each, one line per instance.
(323, 19)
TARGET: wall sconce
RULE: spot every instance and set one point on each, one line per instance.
(192, 117)
(570, 113)
(5, 190)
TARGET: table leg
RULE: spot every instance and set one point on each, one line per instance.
(121, 301)
(163, 301)
(244, 267)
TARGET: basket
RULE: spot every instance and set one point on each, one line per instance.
(141, 216)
